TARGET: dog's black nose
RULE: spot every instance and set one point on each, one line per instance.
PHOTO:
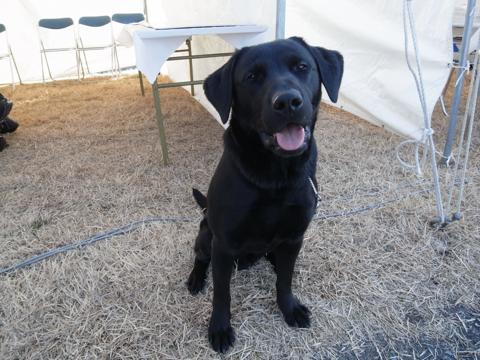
(288, 101)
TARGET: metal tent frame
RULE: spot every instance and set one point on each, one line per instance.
(462, 67)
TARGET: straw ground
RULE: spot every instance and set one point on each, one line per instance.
(86, 158)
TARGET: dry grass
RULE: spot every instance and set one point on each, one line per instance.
(380, 284)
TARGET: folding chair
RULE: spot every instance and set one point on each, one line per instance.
(8, 53)
(126, 19)
(47, 26)
(104, 39)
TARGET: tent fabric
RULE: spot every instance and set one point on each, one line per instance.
(459, 21)
(377, 85)
(459, 13)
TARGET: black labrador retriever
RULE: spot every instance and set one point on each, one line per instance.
(261, 198)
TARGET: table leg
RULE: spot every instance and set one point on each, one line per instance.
(190, 63)
(140, 78)
(159, 116)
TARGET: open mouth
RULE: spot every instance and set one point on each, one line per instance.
(291, 138)
(289, 141)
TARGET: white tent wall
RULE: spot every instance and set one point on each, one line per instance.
(459, 22)
(377, 85)
(459, 13)
(21, 18)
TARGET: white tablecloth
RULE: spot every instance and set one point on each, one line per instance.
(154, 46)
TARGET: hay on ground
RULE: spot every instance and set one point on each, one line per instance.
(87, 158)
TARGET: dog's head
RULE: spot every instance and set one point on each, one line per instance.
(274, 90)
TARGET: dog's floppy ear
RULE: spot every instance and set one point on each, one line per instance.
(330, 66)
(218, 87)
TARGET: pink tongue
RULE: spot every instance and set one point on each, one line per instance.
(290, 138)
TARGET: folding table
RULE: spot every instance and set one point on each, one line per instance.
(154, 46)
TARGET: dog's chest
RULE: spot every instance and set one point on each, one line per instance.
(258, 226)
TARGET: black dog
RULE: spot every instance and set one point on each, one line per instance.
(6, 124)
(261, 197)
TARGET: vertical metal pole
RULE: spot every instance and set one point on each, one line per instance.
(280, 25)
(190, 64)
(159, 116)
(145, 9)
(469, 17)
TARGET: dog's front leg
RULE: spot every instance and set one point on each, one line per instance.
(220, 332)
(294, 312)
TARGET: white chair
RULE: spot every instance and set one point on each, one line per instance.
(99, 27)
(46, 27)
(6, 53)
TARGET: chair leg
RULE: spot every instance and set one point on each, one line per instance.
(42, 50)
(84, 56)
(117, 61)
(43, 71)
(115, 64)
(81, 63)
(86, 62)
(140, 78)
(16, 67)
(78, 65)
(11, 72)
(79, 59)
(48, 66)
(112, 59)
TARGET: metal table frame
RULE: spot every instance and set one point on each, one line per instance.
(156, 87)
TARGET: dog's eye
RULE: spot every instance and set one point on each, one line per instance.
(251, 76)
(300, 67)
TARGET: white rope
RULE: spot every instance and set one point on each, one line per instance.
(427, 137)
(418, 163)
(442, 103)
(465, 69)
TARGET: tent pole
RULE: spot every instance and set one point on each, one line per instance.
(462, 67)
(145, 10)
(280, 24)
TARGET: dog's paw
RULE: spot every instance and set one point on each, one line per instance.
(221, 339)
(196, 282)
(295, 313)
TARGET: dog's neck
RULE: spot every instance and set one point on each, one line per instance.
(264, 168)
